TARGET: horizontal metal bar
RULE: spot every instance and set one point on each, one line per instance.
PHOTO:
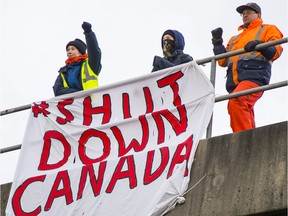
(217, 99)
(241, 51)
(10, 148)
(16, 109)
(251, 91)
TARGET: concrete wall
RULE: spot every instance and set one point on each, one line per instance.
(245, 174)
(5, 189)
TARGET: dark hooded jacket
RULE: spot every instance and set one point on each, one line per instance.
(177, 57)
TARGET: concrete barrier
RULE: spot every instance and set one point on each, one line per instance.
(244, 173)
(5, 190)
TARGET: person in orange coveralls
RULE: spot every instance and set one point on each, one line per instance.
(248, 70)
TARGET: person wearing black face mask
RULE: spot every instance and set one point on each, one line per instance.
(168, 46)
(173, 43)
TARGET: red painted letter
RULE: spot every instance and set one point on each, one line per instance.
(55, 193)
(179, 126)
(148, 99)
(16, 199)
(119, 174)
(172, 82)
(43, 165)
(178, 158)
(149, 176)
(126, 105)
(134, 143)
(61, 107)
(84, 139)
(88, 111)
(96, 184)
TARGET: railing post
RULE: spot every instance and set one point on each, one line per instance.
(212, 79)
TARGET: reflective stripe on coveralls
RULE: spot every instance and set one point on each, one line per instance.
(251, 55)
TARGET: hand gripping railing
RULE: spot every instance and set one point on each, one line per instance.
(211, 59)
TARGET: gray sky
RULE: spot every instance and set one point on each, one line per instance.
(34, 35)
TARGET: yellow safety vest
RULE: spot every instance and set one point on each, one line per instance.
(88, 78)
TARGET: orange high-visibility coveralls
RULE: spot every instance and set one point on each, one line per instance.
(248, 70)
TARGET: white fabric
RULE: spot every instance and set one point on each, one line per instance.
(125, 149)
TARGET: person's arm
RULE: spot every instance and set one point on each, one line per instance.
(271, 33)
(160, 63)
(59, 88)
(218, 47)
(94, 51)
(186, 58)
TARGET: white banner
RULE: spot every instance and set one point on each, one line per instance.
(125, 149)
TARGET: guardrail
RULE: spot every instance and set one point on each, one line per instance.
(213, 60)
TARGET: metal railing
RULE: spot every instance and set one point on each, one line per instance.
(213, 60)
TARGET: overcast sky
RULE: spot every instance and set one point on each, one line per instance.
(34, 35)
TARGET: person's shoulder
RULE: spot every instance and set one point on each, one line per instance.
(185, 55)
(186, 58)
(63, 69)
(271, 27)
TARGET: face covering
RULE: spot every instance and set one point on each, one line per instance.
(168, 47)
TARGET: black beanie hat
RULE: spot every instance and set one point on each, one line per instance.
(79, 44)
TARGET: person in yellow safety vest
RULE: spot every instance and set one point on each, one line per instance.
(248, 70)
(81, 70)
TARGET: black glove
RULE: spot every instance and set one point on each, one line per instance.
(217, 36)
(86, 27)
(250, 46)
(268, 52)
